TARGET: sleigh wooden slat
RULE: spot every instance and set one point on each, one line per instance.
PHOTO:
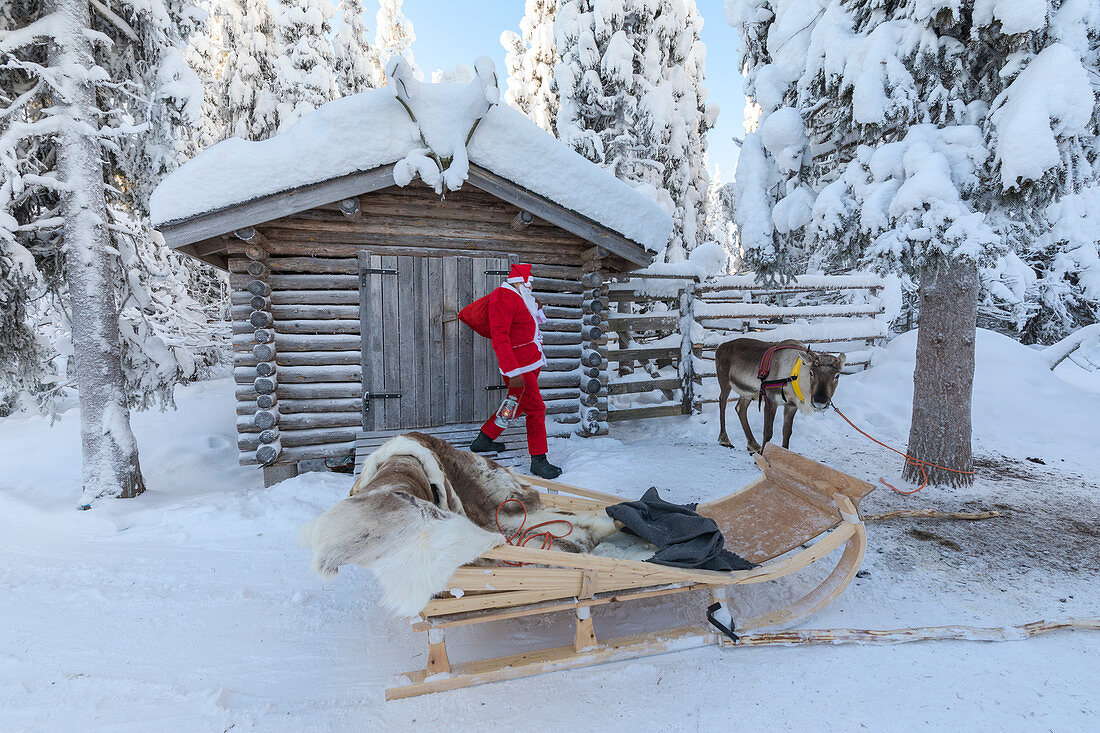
(797, 513)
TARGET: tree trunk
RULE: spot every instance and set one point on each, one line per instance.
(944, 374)
(110, 452)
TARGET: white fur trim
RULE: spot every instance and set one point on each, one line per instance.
(524, 369)
(405, 446)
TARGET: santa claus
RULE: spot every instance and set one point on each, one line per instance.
(510, 316)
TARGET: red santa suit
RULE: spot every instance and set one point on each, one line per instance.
(514, 319)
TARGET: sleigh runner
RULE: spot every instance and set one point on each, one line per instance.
(795, 514)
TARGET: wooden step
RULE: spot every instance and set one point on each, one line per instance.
(459, 435)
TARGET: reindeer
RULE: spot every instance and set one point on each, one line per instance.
(767, 371)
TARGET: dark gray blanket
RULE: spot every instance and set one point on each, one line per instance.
(685, 539)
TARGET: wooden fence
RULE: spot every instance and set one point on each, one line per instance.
(665, 328)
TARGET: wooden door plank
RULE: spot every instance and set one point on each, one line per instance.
(406, 322)
(372, 336)
(390, 409)
(482, 347)
(451, 328)
(436, 359)
(465, 384)
(366, 366)
(420, 332)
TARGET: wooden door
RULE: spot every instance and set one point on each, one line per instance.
(423, 367)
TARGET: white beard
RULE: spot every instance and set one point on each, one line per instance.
(524, 291)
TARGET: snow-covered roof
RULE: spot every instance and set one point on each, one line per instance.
(374, 129)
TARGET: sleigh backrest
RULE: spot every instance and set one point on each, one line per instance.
(791, 504)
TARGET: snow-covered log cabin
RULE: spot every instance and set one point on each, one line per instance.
(354, 237)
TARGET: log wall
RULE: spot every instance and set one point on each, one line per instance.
(296, 312)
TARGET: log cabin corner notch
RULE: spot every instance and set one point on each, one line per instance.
(345, 285)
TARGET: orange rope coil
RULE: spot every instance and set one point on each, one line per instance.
(522, 536)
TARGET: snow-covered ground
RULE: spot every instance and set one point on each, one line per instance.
(191, 608)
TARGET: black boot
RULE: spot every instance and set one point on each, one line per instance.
(543, 468)
(484, 444)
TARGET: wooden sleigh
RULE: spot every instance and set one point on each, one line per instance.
(797, 513)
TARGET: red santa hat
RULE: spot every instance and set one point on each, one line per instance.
(520, 274)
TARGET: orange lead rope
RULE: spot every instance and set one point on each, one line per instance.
(909, 460)
(523, 536)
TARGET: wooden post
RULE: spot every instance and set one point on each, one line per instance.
(437, 652)
(625, 366)
(584, 636)
(687, 356)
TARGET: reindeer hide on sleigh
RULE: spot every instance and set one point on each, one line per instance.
(422, 508)
(414, 517)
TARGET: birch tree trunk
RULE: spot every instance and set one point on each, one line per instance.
(944, 374)
(110, 452)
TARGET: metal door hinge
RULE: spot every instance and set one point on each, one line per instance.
(368, 396)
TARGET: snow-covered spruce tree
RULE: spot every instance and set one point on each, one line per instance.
(1044, 174)
(394, 36)
(303, 71)
(207, 55)
(531, 60)
(352, 53)
(720, 207)
(908, 206)
(915, 204)
(247, 78)
(168, 336)
(632, 100)
(69, 112)
(773, 182)
(858, 73)
(25, 359)
(863, 77)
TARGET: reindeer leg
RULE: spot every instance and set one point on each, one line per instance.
(723, 395)
(769, 420)
(789, 412)
(743, 413)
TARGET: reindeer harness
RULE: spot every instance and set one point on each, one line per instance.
(766, 367)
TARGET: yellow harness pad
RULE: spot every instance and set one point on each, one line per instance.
(794, 382)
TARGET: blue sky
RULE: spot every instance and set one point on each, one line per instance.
(449, 32)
